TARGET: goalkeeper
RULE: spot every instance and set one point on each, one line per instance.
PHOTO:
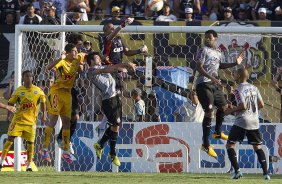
(113, 50)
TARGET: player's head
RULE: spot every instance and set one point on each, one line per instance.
(76, 39)
(71, 51)
(241, 75)
(93, 58)
(210, 38)
(136, 93)
(108, 28)
(27, 77)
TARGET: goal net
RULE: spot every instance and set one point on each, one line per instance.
(163, 143)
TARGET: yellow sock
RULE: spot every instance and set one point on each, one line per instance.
(30, 152)
(66, 138)
(48, 132)
(6, 149)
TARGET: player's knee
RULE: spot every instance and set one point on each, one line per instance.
(75, 117)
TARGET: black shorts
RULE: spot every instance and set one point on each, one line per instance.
(210, 95)
(112, 109)
(237, 134)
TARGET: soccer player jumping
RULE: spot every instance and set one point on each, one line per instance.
(208, 87)
(101, 77)
(249, 101)
(60, 100)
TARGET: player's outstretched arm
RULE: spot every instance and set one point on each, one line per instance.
(126, 22)
(8, 107)
(239, 60)
(142, 50)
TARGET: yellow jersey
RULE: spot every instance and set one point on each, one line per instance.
(66, 72)
(28, 102)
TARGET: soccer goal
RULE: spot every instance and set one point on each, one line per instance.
(166, 76)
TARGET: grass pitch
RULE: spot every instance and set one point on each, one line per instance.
(42, 177)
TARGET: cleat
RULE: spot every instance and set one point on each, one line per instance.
(210, 151)
(60, 144)
(99, 150)
(266, 177)
(29, 169)
(222, 136)
(67, 157)
(115, 159)
(237, 175)
(45, 155)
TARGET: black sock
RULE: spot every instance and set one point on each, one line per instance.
(113, 142)
(72, 127)
(105, 137)
(233, 159)
(218, 121)
(206, 131)
(262, 160)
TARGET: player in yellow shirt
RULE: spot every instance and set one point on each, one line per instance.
(59, 101)
(28, 97)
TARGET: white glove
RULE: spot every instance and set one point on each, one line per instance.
(143, 49)
(126, 22)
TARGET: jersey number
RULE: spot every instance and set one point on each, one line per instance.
(55, 101)
(251, 105)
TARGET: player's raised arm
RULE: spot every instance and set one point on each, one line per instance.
(115, 32)
(54, 63)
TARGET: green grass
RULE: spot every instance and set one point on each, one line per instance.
(122, 178)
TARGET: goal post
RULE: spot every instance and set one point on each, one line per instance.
(257, 63)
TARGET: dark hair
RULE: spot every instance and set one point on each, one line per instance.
(98, 9)
(29, 5)
(69, 47)
(25, 72)
(213, 32)
(90, 56)
(74, 38)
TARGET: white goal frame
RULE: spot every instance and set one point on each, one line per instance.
(99, 28)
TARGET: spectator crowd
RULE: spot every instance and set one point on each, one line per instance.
(45, 11)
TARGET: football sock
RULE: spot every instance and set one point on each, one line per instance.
(233, 159)
(5, 150)
(30, 152)
(105, 137)
(48, 132)
(66, 139)
(206, 131)
(72, 127)
(262, 160)
(113, 142)
(218, 121)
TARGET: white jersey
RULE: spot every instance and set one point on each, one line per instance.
(210, 59)
(139, 108)
(248, 94)
(190, 112)
(104, 82)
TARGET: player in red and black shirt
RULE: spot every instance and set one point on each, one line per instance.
(114, 48)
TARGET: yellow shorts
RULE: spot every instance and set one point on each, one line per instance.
(26, 132)
(59, 102)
